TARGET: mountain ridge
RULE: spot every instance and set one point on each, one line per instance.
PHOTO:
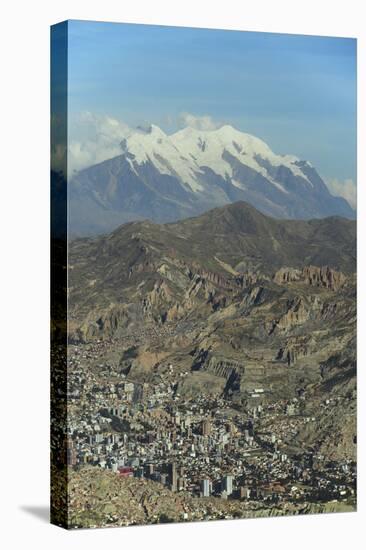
(227, 246)
(238, 229)
(171, 177)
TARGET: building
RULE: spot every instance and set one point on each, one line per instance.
(206, 487)
(227, 484)
(206, 427)
(271, 490)
(173, 477)
(149, 469)
(181, 483)
(71, 455)
(125, 471)
(244, 492)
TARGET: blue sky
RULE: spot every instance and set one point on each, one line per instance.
(297, 93)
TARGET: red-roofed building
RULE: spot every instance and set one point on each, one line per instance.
(125, 471)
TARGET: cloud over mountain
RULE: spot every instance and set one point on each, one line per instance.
(93, 139)
(205, 122)
(346, 189)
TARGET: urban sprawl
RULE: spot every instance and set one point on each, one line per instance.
(203, 446)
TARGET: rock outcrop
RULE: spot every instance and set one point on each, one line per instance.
(323, 277)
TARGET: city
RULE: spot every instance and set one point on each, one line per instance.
(203, 446)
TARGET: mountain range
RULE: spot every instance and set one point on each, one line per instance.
(234, 300)
(166, 178)
(226, 243)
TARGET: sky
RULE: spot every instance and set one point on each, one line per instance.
(297, 93)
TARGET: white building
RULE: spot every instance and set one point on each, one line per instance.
(227, 484)
(206, 487)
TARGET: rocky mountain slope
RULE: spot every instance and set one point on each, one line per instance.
(228, 247)
(166, 178)
(235, 301)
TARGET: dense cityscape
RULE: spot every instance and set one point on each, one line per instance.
(203, 446)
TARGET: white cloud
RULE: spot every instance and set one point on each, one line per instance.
(204, 122)
(93, 139)
(346, 189)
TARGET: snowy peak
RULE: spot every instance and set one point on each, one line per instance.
(189, 152)
(208, 147)
(169, 177)
(223, 137)
(154, 146)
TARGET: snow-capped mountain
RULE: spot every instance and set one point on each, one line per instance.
(168, 177)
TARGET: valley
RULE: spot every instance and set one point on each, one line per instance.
(215, 357)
